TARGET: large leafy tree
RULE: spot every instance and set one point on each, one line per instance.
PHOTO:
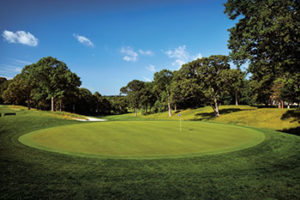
(52, 79)
(17, 92)
(148, 97)
(133, 90)
(212, 73)
(162, 82)
(185, 90)
(3, 86)
(267, 35)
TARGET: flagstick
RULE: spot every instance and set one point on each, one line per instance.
(180, 124)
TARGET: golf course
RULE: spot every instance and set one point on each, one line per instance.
(52, 156)
(150, 100)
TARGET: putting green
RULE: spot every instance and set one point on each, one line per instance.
(143, 139)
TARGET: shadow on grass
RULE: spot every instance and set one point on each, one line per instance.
(294, 131)
(294, 114)
(211, 115)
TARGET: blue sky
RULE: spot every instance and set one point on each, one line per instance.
(109, 43)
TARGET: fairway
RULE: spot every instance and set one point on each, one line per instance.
(143, 139)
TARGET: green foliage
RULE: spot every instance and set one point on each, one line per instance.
(212, 74)
(267, 35)
(134, 92)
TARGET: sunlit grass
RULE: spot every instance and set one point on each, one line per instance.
(271, 118)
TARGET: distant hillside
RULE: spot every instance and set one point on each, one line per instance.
(271, 118)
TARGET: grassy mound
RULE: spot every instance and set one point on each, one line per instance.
(271, 118)
(146, 139)
(269, 170)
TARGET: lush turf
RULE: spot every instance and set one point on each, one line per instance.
(271, 118)
(138, 139)
(269, 170)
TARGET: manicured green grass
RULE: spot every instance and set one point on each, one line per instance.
(269, 170)
(148, 139)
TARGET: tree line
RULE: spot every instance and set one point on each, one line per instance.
(266, 37)
(50, 85)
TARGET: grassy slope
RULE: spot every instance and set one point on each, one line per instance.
(144, 139)
(271, 118)
(269, 170)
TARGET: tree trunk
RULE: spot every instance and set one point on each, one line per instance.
(73, 108)
(282, 104)
(169, 106)
(175, 108)
(216, 107)
(135, 110)
(52, 103)
(236, 98)
(28, 104)
(60, 102)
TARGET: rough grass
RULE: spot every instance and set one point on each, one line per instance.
(271, 118)
(269, 170)
(143, 139)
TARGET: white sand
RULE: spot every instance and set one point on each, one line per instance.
(91, 119)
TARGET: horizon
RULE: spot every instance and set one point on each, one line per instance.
(109, 44)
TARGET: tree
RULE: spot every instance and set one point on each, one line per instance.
(235, 81)
(52, 79)
(133, 91)
(147, 96)
(287, 88)
(212, 73)
(16, 93)
(119, 104)
(185, 90)
(162, 81)
(3, 86)
(267, 35)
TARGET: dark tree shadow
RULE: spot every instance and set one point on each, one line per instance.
(211, 115)
(294, 114)
(294, 131)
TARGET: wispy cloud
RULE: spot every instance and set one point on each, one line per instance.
(146, 52)
(12, 67)
(20, 37)
(129, 54)
(181, 56)
(22, 62)
(151, 68)
(83, 40)
(147, 79)
(9, 68)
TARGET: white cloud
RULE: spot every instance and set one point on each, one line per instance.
(151, 68)
(147, 79)
(181, 56)
(147, 52)
(83, 40)
(20, 37)
(130, 54)
(7, 77)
